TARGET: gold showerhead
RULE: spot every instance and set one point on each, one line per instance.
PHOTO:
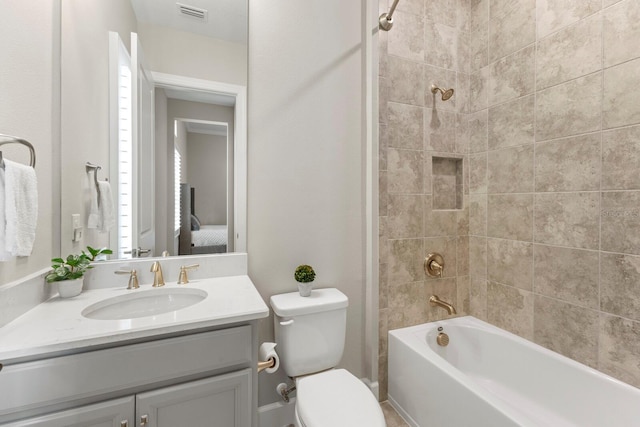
(446, 94)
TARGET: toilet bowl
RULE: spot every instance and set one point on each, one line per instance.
(310, 333)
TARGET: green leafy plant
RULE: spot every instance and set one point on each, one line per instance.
(74, 266)
(304, 274)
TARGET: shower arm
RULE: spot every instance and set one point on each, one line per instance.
(386, 19)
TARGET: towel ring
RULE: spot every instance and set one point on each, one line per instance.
(15, 140)
(95, 168)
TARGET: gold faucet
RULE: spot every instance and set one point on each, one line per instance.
(435, 301)
(158, 278)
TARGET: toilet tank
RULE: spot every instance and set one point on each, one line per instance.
(310, 331)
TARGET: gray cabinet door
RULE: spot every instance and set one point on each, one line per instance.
(221, 401)
(112, 413)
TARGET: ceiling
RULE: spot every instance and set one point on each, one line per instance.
(226, 19)
(198, 96)
(206, 127)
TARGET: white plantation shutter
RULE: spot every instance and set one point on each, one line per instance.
(177, 165)
(125, 158)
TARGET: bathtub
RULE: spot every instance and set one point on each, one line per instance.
(488, 377)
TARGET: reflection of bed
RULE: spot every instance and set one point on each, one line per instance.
(208, 239)
(209, 235)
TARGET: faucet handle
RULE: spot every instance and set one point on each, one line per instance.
(183, 277)
(133, 278)
(434, 265)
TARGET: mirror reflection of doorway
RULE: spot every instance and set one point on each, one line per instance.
(199, 150)
(212, 116)
(205, 191)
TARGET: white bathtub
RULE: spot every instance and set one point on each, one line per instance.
(487, 377)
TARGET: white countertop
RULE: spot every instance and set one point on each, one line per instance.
(57, 325)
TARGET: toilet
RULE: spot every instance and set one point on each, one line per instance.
(310, 333)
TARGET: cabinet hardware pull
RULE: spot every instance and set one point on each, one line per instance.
(124, 423)
(144, 420)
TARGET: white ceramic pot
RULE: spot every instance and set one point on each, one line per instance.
(305, 289)
(70, 288)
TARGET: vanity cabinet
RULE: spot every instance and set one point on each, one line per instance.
(201, 379)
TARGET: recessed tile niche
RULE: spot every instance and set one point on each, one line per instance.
(447, 183)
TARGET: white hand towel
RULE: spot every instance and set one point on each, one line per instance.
(4, 254)
(107, 215)
(93, 220)
(21, 208)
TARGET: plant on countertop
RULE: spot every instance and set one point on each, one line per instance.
(304, 274)
(74, 266)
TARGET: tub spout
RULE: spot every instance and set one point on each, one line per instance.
(435, 301)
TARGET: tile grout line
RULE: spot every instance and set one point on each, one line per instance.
(486, 181)
(599, 305)
(535, 138)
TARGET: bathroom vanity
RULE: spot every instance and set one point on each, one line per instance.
(194, 366)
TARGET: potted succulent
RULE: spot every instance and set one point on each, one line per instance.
(304, 275)
(69, 273)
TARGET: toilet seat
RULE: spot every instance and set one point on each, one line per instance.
(336, 398)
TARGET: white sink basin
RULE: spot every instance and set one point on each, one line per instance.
(144, 303)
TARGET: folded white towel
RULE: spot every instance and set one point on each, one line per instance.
(93, 220)
(101, 215)
(4, 254)
(21, 208)
(107, 215)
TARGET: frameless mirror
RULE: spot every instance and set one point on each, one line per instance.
(154, 98)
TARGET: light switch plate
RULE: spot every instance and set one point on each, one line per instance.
(76, 228)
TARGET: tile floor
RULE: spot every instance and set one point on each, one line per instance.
(391, 416)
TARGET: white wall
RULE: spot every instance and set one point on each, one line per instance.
(207, 160)
(85, 104)
(306, 156)
(29, 108)
(176, 52)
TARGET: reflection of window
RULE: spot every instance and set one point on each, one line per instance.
(125, 156)
(177, 164)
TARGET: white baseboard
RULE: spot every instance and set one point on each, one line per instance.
(278, 414)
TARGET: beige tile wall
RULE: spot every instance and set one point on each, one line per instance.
(554, 203)
(429, 44)
(546, 118)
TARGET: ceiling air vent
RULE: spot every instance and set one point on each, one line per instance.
(192, 12)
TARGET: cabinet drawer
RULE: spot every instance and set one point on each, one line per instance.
(57, 380)
(112, 413)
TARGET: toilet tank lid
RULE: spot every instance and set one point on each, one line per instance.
(292, 304)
